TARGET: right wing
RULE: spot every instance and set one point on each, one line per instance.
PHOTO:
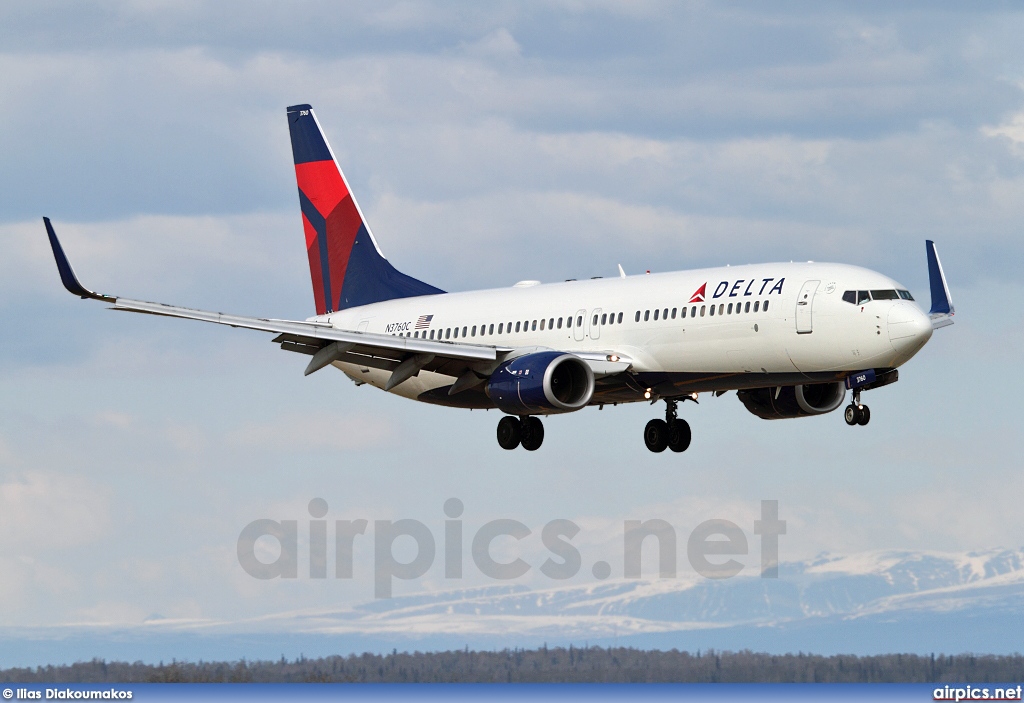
(403, 356)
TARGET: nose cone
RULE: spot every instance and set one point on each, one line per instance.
(909, 329)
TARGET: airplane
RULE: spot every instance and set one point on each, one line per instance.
(790, 338)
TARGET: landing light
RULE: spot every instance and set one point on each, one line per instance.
(647, 394)
(613, 357)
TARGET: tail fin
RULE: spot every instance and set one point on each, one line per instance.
(345, 263)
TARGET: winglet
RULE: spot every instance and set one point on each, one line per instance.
(67, 274)
(942, 302)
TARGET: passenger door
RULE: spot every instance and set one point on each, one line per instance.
(804, 305)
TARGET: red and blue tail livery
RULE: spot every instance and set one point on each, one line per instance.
(345, 263)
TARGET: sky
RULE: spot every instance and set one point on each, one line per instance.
(486, 144)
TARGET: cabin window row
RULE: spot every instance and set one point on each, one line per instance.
(709, 310)
(518, 326)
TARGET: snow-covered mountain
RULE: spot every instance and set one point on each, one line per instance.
(868, 585)
(868, 603)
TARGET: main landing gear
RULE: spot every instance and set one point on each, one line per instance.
(527, 431)
(856, 412)
(670, 433)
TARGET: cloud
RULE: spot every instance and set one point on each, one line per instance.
(1011, 130)
(46, 510)
(292, 433)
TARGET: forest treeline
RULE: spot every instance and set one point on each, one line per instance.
(589, 664)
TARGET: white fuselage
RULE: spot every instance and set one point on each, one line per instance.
(808, 328)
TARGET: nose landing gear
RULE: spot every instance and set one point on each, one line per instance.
(527, 431)
(670, 433)
(856, 412)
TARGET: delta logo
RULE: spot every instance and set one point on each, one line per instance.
(741, 288)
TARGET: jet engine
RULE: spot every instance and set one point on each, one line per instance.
(541, 383)
(793, 401)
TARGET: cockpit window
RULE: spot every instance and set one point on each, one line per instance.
(850, 296)
(884, 295)
(905, 294)
(862, 297)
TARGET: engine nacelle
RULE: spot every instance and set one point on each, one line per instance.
(793, 401)
(541, 383)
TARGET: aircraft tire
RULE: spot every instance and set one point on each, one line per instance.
(509, 432)
(679, 436)
(533, 433)
(851, 415)
(864, 415)
(656, 435)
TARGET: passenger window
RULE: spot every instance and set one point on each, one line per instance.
(702, 308)
(656, 314)
(551, 323)
(595, 320)
(757, 304)
(619, 321)
(491, 329)
(637, 319)
(604, 319)
(682, 312)
(431, 334)
(647, 315)
(501, 328)
(464, 330)
(729, 310)
(746, 308)
(542, 325)
(850, 296)
(693, 311)
(579, 320)
(448, 333)
(711, 312)
(473, 331)
(559, 323)
(517, 326)
(673, 313)
(664, 314)
(456, 333)
(764, 308)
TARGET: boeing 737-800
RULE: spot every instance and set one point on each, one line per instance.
(791, 338)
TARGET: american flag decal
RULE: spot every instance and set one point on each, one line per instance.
(424, 322)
